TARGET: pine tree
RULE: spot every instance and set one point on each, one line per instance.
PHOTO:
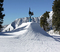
(56, 15)
(1, 15)
(43, 20)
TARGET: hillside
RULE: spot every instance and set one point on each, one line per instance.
(19, 21)
(28, 37)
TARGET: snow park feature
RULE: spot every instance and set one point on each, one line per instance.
(28, 37)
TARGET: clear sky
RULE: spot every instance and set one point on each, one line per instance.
(14, 9)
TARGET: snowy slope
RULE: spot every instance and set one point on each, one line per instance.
(19, 21)
(28, 37)
(7, 28)
(51, 32)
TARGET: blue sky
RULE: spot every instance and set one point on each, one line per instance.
(14, 9)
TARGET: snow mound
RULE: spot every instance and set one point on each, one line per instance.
(30, 30)
(51, 32)
(28, 37)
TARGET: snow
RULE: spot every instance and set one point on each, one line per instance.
(50, 15)
(7, 28)
(19, 21)
(51, 32)
(29, 37)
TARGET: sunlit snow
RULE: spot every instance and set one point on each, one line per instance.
(28, 37)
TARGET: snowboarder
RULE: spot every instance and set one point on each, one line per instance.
(30, 14)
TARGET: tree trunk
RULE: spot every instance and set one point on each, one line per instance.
(59, 32)
(44, 27)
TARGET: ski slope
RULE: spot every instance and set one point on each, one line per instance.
(29, 37)
(19, 21)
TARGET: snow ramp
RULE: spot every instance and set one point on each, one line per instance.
(32, 31)
(28, 30)
(29, 37)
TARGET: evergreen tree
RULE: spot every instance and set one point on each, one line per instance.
(56, 15)
(43, 20)
(1, 15)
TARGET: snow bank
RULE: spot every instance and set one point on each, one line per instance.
(51, 32)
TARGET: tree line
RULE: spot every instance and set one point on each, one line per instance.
(55, 17)
(1, 14)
